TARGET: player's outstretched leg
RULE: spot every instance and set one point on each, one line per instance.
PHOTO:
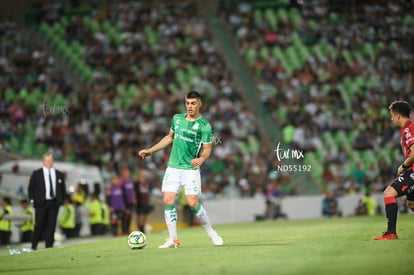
(202, 216)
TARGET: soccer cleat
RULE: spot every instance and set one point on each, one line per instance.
(170, 244)
(386, 236)
(216, 239)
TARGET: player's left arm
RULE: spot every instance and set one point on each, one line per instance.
(205, 154)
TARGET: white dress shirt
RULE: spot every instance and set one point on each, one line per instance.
(46, 177)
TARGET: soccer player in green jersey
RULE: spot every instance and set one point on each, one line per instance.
(190, 135)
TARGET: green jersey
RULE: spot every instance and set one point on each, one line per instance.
(189, 137)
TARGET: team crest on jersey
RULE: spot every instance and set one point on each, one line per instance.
(412, 176)
(195, 126)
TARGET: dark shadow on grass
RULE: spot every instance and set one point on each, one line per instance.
(28, 270)
(255, 244)
(246, 244)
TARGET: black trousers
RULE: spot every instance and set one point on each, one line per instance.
(45, 223)
(97, 229)
(26, 236)
(5, 237)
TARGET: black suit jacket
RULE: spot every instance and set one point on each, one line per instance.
(37, 189)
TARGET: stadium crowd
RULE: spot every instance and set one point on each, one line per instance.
(100, 124)
(347, 65)
(161, 50)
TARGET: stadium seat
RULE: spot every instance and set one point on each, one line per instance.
(319, 154)
(132, 90)
(14, 143)
(254, 144)
(277, 53)
(250, 56)
(59, 100)
(58, 29)
(41, 148)
(295, 17)
(329, 141)
(313, 24)
(173, 87)
(355, 157)
(368, 50)
(271, 18)
(317, 50)
(367, 157)
(151, 35)
(282, 15)
(44, 29)
(257, 17)
(282, 113)
(23, 94)
(121, 89)
(333, 17)
(341, 139)
(315, 165)
(264, 52)
(296, 40)
(27, 148)
(37, 96)
(172, 62)
(10, 94)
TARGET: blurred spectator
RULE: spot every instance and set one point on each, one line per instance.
(358, 172)
(27, 226)
(330, 207)
(106, 218)
(79, 198)
(129, 193)
(273, 201)
(370, 204)
(339, 52)
(116, 201)
(16, 113)
(142, 187)
(5, 225)
(366, 206)
(95, 215)
(362, 141)
(67, 219)
(371, 175)
(160, 54)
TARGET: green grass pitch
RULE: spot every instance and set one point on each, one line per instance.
(323, 246)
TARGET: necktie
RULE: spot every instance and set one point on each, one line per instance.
(51, 193)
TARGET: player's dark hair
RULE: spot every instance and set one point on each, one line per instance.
(194, 94)
(400, 107)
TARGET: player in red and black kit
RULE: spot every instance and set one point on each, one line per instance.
(143, 207)
(404, 183)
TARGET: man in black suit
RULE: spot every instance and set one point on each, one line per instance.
(46, 190)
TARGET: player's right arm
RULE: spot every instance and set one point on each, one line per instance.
(164, 142)
(408, 162)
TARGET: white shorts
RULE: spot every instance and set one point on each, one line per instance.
(175, 178)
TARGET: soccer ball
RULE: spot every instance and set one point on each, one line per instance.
(137, 240)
